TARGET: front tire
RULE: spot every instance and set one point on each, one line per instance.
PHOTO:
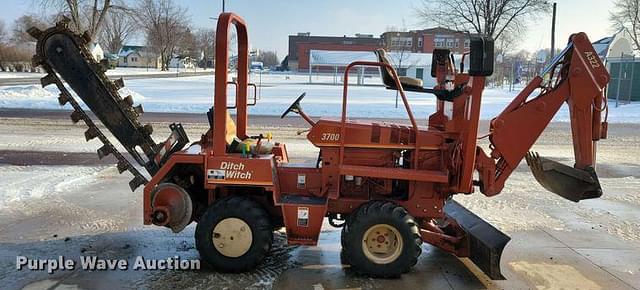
(381, 239)
(234, 234)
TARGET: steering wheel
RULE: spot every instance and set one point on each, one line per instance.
(294, 105)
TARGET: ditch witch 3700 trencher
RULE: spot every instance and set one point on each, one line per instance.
(389, 186)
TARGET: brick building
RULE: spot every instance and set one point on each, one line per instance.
(302, 43)
(426, 40)
(418, 41)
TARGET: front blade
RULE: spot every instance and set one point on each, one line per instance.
(568, 182)
(486, 243)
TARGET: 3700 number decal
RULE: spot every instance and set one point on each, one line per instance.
(330, 137)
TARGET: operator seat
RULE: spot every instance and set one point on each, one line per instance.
(235, 144)
(408, 83)
(413, 84)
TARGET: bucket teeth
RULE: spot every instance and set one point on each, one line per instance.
(99, 67)
(136, 182)
(76, 116)
(63, 23)
(63, 99)
(119, 83)
(104, 63)
(36, 60)
(35, 32)
(47, 80)
(138, 109)
(148, 129)
(128, 100)
(104, 151)
(86, 37)
(91, 133)
(122, 166)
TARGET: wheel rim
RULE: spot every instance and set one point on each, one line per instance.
(232, 237)
(382, 244)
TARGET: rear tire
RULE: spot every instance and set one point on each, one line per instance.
(234, 234)
(381, 239)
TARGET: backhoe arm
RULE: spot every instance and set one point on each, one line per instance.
(576, 76)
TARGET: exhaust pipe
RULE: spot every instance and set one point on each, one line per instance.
(571, 183)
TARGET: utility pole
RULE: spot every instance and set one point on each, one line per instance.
(553, 31)
(223, 1)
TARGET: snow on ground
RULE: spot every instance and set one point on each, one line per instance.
(277, 91)
(118, 71)
(19, 186)
(19, 75)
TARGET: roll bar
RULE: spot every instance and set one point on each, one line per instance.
(221, 76)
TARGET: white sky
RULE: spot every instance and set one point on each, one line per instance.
(270, 22)
(590, 16)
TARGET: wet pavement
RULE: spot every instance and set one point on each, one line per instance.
(69, 203)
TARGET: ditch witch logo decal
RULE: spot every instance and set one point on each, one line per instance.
(229, 170)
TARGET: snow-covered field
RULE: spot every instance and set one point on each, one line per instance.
(277, 91)
(118, 71)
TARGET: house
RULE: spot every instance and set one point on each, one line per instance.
(138, 56)
(615, 46)
(182, 62)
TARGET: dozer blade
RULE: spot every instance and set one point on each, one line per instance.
(486, 243)
(571, 183)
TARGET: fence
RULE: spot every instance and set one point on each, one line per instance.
(624, 86)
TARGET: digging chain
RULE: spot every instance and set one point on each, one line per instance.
(78, 112)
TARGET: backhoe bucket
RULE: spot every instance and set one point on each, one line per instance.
(486, 243)
(571, 183)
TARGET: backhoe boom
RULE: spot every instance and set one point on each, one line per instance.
(576, 76)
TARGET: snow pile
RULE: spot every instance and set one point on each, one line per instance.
(31, 96)
(36, 97)
(19, 75)
(19, 182)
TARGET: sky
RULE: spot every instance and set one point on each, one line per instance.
(270, 22)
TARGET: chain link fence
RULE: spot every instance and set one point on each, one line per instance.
(624, 86)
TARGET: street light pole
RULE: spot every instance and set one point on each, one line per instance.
(553, 31)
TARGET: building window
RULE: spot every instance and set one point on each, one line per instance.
(466, 43)
(438, 42)
(420, 42)
(401, 41)
(450, 43)
(457, 43)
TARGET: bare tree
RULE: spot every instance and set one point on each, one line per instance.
(85, 15)
(627, 16)
(118, 28)
(164, 24)
(268, 58)
(20, 26)
(3, 32)
(489, 17)
(206, 43)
